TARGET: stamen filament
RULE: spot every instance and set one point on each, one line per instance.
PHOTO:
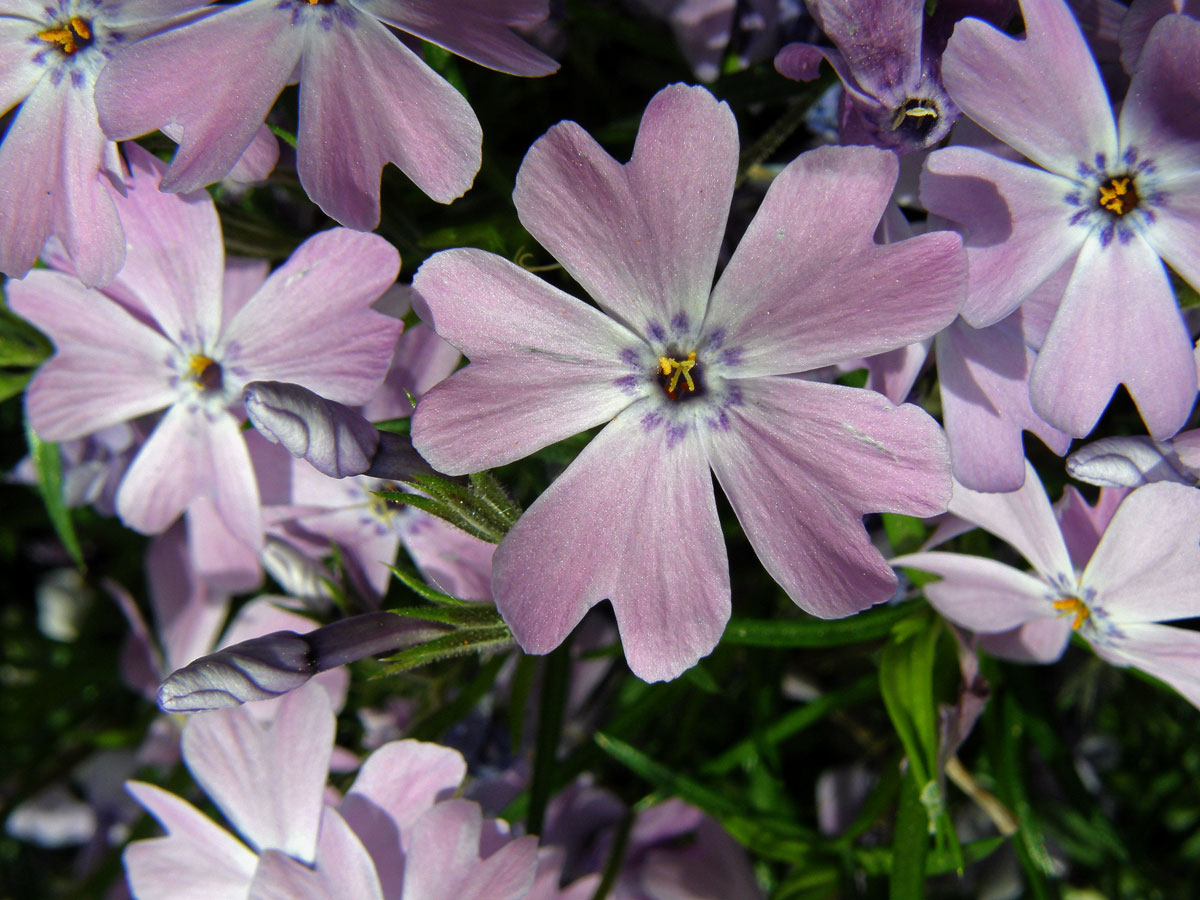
(70, 37)
(676, 368)
(1073, 605)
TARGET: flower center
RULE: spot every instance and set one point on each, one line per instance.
(1069, 606)
(71, 36)
(671, 370)
(917, 116)
(205, 373)
(1118, 195)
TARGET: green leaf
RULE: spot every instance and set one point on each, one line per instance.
(556, 679)
(910, 843)
(474, 615)
(437, 722)
(906, 533)
(395, 426)
(12, 383)
(48, 464)
(414, 582)
(284, 135)
(460, 643)
(21, 345)
(814, 632)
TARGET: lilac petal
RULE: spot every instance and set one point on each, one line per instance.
(1017, 233)
(394, 787)
(981, 594)
(242, 279)
(802, 62)
(894, 373)
(19, 74)
(224, 562)
(216, 78)
(1024, 519)
(880, 39)
(335, 439)
(1124, 462)
(1165, 82)
(343, 869)
(109, 367)
(1095, 343)
(1082, 525)
(85, 219)
(985, 405)
(473, 29)
(1169, 654)
(365, 100)
(421, 360)
(187, 615)
(641, 238)
(1147, 565)
(258, 160)
(1041, 95)
(581, 542)
(175, 255)
(311, 323)
(1040, 641)
(196, 861)
(1175, 233)
(1186, 447)
(443, 858)
(802, 462)
(188, 456)
(562, 354)
(451, 560)
(268, 781)
(50, 159)
(837, 295)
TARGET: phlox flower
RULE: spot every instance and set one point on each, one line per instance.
(396, 835)
(688, 377)
(1109, 201)
(888, 57)
(55, 162)
(366, 98)
(1112, 577)
(163, 336)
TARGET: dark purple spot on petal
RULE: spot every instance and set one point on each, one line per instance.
(1106, 234)
(655, 330)
(679, 323)
(651, 420)
(675, 434)
(629, 356)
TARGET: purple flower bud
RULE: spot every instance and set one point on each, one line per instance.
(267, 666)
(1126, 462)
(335, 439)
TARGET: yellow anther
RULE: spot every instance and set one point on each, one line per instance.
(206, 372)
(70, 37)
(676, 369)
(1115, 194)
(1073, 606)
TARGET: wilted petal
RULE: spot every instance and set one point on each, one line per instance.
(802, 462)
(333, 438)
(632, 520)
(641, 238)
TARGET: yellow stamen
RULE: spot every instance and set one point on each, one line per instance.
(70, 37)
(676, 368)
(205, 371)
(1113, 195)
(1073, 606)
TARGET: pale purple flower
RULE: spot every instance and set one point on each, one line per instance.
(164, 336)
(1112, 582)
(1109, 201)
(396, 835)
(56, 165)
(888, 57)
(686, 381)
(366, 98)
(1138, 21)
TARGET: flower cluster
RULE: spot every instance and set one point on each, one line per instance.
(999, 229)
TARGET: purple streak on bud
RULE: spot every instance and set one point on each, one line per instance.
(334, 438)
(265, 667)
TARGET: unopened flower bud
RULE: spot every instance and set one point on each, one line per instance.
(335, 439)
(265, 667)
(1125, 462)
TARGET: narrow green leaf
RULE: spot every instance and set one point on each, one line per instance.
(442, 511)
(437, 722)
(460, 643)
(12, 383)
(284, 135)
(556, 678)
(395, 426)
(910, 843)
(478, 615)
(866, 626)
(906, 533)
(414, 583)
(48, 464)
